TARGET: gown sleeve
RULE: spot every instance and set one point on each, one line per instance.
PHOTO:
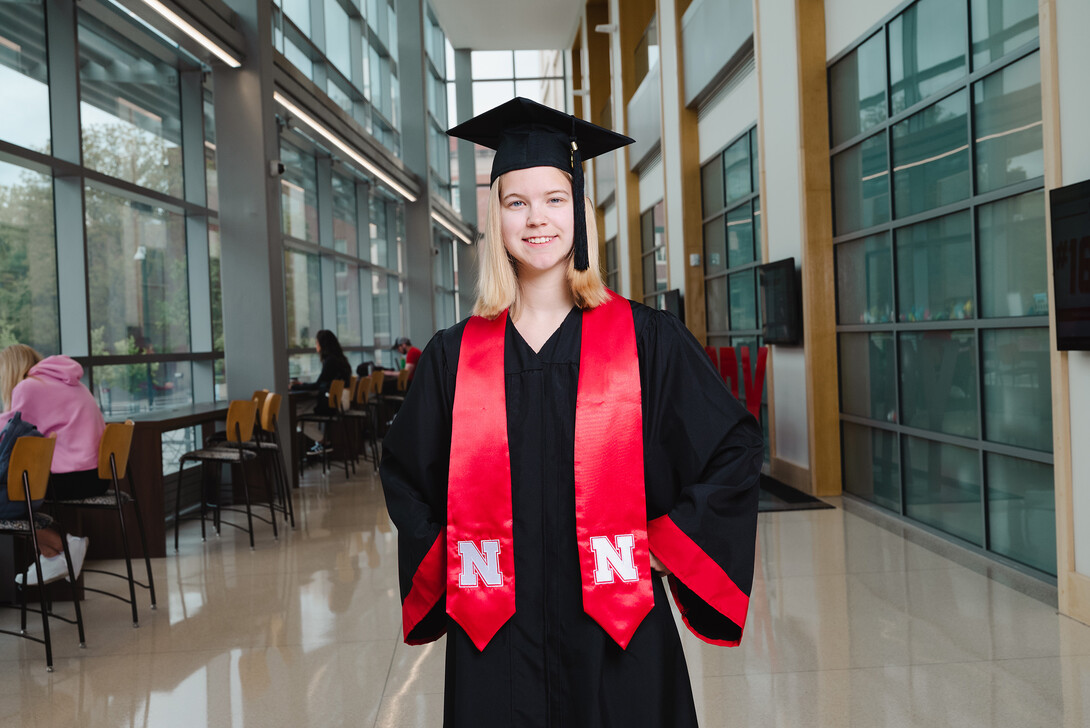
(415, 462)
(703, 455)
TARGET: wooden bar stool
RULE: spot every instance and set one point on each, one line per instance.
(240, 430)
(334, 417)
(362, 416)
(28, 478)
(268, 442)
(113, 463)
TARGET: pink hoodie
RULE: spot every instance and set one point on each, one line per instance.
(52, 399)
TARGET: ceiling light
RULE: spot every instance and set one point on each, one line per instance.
(177, 21)
(605, 28)
(337, 142)
(455, 231)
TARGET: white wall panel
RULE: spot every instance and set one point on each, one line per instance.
(610, 214)
(651, 186)
(782, 208)
(847, 20)
(728, 114)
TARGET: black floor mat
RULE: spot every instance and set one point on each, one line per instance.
(776, 496)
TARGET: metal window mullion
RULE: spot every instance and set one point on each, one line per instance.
(1009, 322)
(198, 266)
(968, 443)
(73, 305)
(899, 412)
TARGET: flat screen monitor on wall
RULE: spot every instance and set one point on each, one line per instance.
(1071, 265)
(672, 302)
(780, 310)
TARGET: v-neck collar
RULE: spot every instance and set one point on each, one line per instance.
(550, 343)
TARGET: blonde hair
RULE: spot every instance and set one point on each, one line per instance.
(15, 362)
(497, 276)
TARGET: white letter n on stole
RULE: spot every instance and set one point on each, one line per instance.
(477, 564)
(610, 560)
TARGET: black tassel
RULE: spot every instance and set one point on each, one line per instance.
(582, 256)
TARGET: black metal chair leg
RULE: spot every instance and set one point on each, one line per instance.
(75, 597)
(128, 559)
(246, 493)
(143, 540)
(41, 589)
(270, 490)
(178, 502)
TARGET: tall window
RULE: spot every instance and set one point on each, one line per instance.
(118, 227)
(732, 249)
(347, 279)
(349, 49)
(613, 272)
(942, 307)
(653, 255)
(446, 279)
(500, 76)
(647, 50)
(441, 149)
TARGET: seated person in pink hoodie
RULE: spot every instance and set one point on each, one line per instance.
(50, 396)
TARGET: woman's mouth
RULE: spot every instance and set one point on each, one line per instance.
(540, 240)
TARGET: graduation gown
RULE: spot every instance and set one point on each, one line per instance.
(551, 665)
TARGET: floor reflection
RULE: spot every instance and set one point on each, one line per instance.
(850, 624)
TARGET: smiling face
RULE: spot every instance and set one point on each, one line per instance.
(536, 219)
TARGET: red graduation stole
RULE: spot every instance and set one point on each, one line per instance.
(610, 508)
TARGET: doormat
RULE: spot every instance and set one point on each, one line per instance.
(777, 496)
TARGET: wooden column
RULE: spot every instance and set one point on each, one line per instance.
(818, 273)
(1073, 588)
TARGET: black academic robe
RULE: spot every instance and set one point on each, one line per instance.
(551, 665)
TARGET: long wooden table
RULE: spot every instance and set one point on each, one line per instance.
(146, 477)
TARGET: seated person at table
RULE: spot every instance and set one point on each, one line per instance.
(410, 352)
(334, 366)
(50, 396)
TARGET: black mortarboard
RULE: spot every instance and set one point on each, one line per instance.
(527, 134)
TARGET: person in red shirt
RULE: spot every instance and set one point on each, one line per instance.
(410, 352)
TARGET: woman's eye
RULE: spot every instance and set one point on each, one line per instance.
(515, 203)
(557, 200)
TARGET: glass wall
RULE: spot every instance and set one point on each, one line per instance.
(442, 150)
(500, 76)
(653, 255)
(342, 236)
(349, 49)
(118, 227)
(942, 307)
(445, 274)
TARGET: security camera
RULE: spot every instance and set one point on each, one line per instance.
(276, 168)
(434, 250)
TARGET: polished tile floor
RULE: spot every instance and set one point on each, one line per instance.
(854, 621)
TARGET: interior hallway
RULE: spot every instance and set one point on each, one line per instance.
(854, 621)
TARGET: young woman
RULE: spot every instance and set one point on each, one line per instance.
(334, 366)
(559, 452)
(50, 396)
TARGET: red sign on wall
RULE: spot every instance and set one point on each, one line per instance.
(725, 359)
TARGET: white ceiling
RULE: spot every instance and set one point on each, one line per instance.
(509, 24)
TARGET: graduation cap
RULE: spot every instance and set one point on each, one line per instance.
(527, 134)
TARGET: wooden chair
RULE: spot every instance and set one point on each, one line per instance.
(268, 443)
(335, 416)
(220, 436)
(241, 416)
(362, 415)
(113, 463)
(28, 478)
